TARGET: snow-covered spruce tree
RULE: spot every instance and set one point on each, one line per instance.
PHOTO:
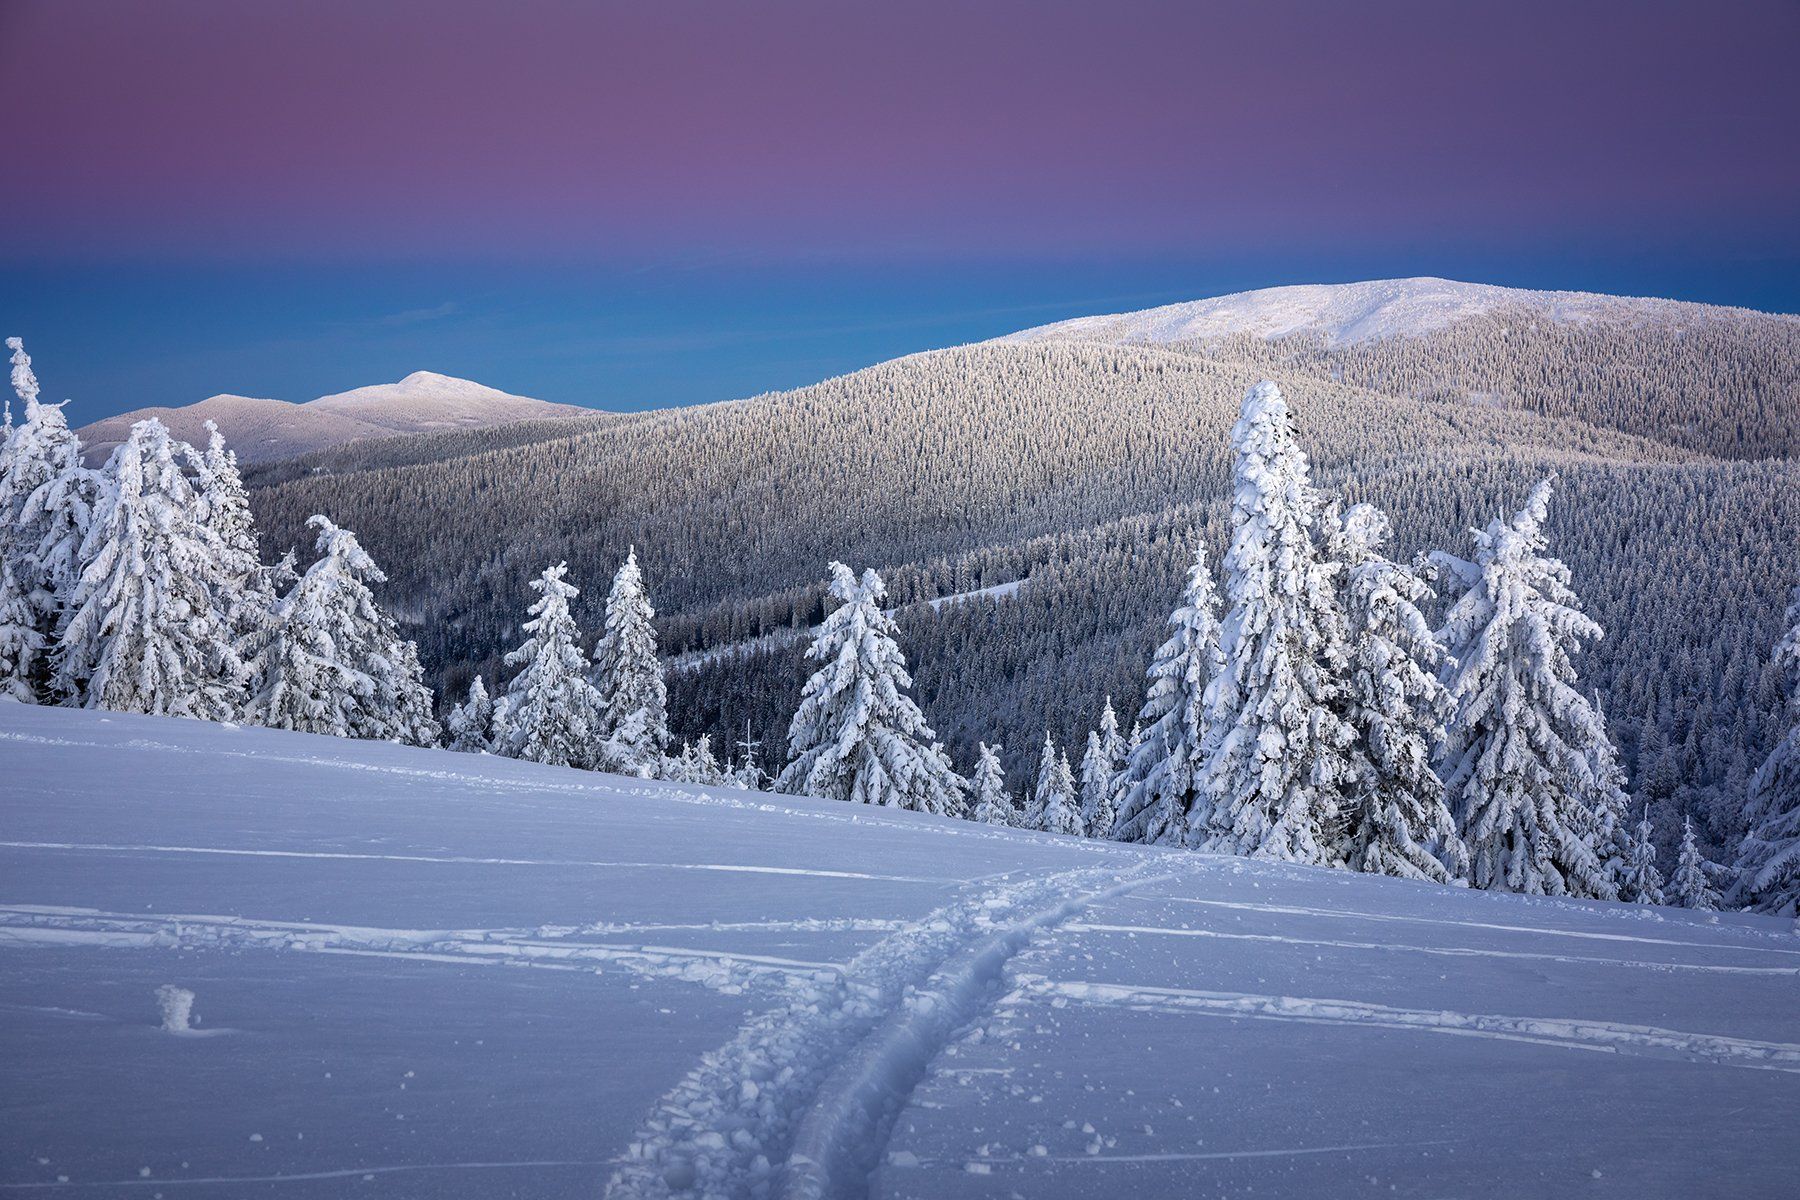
(21, 645)
(1100, 767)
(1768, 857)
(1641, 882)
(857, 735)
(142, 631)
(992, 805)
(471, 723)
(696, 764)
(1055, 804)
(629, 678)
(1398, 822)
(551, 713)
(336, 664)
(1690, 886)
(1159, 789)
(1275, 786)
(46, 498)
(1526, 762)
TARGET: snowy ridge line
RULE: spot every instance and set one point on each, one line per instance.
(1294, 910)
(1605, 1037)
(1448, 951)
(726, 1131)
(606, 785)
(730, 971)
(843, 1137)
(466, 860)
(169, 1181)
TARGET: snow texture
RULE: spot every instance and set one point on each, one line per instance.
(427, 974)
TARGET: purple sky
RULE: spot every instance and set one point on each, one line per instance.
(256, 128)
(1165, 150)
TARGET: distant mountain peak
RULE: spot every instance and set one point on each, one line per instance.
(261, 429)
(1373, 310)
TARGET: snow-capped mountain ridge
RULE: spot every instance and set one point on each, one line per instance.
(1374, 310)
(259, 428)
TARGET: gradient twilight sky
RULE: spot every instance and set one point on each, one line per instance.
(643, 204)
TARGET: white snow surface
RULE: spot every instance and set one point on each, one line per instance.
(427, 974)
(260, 429)
(1348, 313)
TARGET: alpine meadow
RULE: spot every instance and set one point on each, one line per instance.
(915, 601)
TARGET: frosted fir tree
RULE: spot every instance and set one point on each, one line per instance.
(696, 764)
(628, 675)
(857, 735)
(1690, 886)
(1100, 767)
(1159, 790)
(1768, 857)
(21, 645)
(992, 805)
(1398, 822)
(1527, 763)
(1276, 785)
(1641, 881)
(46, 500)
(471, 723)
(336, 665)
(551, 713)
(142, 632)
(402, 699)
(1055, 803)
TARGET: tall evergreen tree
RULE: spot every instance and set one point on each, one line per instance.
(1527, 762)
(1097, 771)
(1274, 787)
(471, 723)
(21, 645)
(1054, 806)
(336, 664)
(1768, 857)
(628, 675)
(992, 805)
(857, 735)
(1398, 822)
(46, 500)
(1160, 787)
(551, 713)
(1690, 886)
(1641, 881)
(142, 630)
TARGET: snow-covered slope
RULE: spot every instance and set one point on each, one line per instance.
(416, 973)
(260, 429)
(1347, 313)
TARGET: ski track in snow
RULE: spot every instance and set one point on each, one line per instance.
(799, 1104)
(465, 860)
(24, 926)
(1449, 951)
(1343, 914)
(1606, 1037)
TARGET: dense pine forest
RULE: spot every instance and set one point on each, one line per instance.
(1088, 471)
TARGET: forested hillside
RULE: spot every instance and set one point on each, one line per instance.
(1088, 469)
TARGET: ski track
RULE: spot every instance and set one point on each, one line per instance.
(800, 1102)
(1171, 1156)
(466, 860)
(170, 1181)
(23, 926)
(1606, 1037)
(1449, 951)
(1293, 910)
